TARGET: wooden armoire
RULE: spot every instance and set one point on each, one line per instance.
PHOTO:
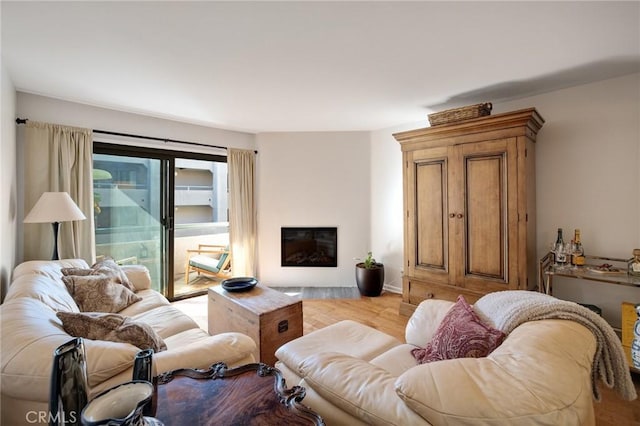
(470, 210)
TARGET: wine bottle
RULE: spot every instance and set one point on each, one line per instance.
(577, 257)
(561, 257)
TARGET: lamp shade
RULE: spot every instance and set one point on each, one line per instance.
(54, 207)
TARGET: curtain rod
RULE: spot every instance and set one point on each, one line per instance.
(130, 135)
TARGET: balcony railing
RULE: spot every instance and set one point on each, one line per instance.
(193, 195)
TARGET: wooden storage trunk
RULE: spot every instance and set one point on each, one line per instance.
(269, 317)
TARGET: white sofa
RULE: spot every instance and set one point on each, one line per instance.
(31, 332)
(354, 374)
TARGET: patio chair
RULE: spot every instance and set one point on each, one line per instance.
(214, 260)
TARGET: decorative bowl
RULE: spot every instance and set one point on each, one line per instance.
(239, 283)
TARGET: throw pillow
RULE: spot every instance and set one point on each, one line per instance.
(76, 271)
(106, 267)
(110, 268)
(111, 327)
(461, 334)
(99, 293)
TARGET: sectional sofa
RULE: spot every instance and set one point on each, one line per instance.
(545, 371)
(31, 331)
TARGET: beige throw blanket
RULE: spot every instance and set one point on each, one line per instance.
(508, 309)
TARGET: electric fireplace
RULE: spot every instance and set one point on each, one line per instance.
(309, 247)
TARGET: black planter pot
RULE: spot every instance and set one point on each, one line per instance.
(370, 281)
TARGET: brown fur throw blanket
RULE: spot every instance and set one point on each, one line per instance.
(508, 309)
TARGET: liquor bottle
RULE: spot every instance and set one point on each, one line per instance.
(577, 258)
(561, 257)
(634, 266)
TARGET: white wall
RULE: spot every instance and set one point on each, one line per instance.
(313, 179)
(386, 203)
(40, 108)
(8, 178)
(588, 177)
(587, 168)
(52, 110)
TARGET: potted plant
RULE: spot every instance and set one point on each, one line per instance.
(370, 276)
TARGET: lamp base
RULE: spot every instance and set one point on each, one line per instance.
(56, 226)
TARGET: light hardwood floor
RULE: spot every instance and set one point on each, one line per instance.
(382, 313)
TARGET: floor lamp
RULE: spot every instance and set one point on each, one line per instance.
(54, 207)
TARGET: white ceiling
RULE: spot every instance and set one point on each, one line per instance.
(311, 66)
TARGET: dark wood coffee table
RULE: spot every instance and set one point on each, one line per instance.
(254, 394)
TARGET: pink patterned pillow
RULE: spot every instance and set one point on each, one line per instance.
(461, 334)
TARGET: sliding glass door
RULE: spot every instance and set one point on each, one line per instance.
(155, 207)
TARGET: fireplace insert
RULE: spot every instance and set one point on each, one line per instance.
(309, 247)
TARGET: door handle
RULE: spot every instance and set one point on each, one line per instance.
(460, 215)
(452, 215)
(167, 222)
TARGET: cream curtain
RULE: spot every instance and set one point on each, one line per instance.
(59, 159)
(242, 212)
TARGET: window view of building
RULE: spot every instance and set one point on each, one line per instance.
(123, 191)
(200, 192)
(127, 211)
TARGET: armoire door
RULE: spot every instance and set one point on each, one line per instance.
(484, 211)
(427, 243)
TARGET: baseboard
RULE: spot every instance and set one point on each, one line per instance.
(392, 289)
(320, 292)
